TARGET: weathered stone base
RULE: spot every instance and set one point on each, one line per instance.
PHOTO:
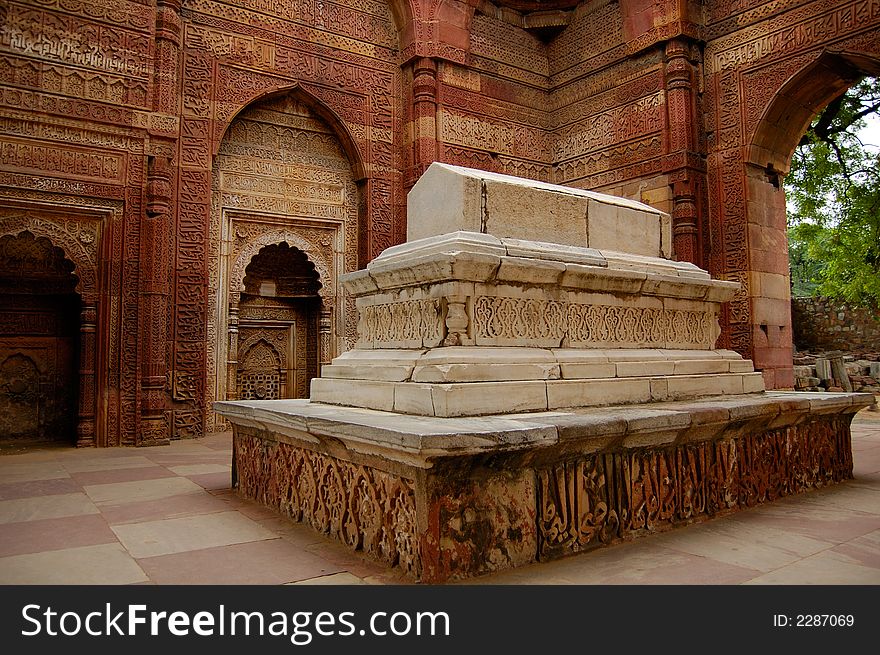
(510, 490)
(366, 508)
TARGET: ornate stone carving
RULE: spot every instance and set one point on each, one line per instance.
(521, 320)
(412, 320)
(603, 498)
(366, 508)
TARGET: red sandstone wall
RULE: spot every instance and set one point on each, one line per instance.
(112, 112)
(493, 114)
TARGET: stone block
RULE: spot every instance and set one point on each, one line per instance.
(476, 364)
(478, 398)
(412, 398)
(651, 427)
(519, 210)
(752, 383)
(359, 282)
(447, 198)
(659, 390)
(484, 523)
(357, 393)
(644, 368)
(443, 201)
(590, 393)
(700, 366)
(530, 271)
(591, 278)
(385, 365)
(624, 229)
(741, 365)
(579, 370)
(554, 252)
(823, 368)
(695, 386)
(579, 364)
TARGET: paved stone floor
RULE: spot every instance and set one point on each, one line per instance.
(166, 515)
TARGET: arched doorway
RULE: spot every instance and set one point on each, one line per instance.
(768, 157)
(278, 325)
(39, 341)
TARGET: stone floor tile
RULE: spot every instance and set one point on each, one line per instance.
(169, 536)
(102, 462)
(154, 510)
(200, 469)
(637, 562)
(45, 507)
(102, 564)
(863, 550)
(118, 493)
(18, 468)
(273, 561)
(848, 496)
(121, 475)
(354, 562)
(741, 543)
(816, 520)
(827, 567)
(334, 579)
(51, 487)
(55, 534)
(213, 481)
(175, 458)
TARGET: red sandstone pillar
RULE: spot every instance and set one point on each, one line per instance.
(424, 116)
(683, 163)
(155, 248)
(85, 426)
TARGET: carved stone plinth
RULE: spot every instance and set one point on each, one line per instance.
(452, 498)
(511, 399)
(470, 322)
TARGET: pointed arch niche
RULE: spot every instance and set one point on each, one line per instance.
(285, 202)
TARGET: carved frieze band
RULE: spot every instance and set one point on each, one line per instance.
(607, 497)
(367, 509)
(410, 320)
(522, 320)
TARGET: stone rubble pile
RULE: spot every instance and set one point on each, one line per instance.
(813, 372)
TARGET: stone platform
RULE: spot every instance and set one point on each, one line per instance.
(452, 498)
(534, 376)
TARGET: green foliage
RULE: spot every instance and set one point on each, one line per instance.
(833, 192)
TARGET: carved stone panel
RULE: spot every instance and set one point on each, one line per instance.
(281, 183)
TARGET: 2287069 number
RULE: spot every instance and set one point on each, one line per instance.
(820, 620)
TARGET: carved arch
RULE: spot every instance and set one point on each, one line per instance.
(291, 238)
(799, 100)
(260, 344)
(81, 249)
(334, 121)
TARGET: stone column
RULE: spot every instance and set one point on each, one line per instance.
(155, 251)
(85, 426)
(165, 79)
(683, 163)
(232, 348)
(325, 337)
(424, 116)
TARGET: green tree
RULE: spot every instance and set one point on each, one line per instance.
(833, 194)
